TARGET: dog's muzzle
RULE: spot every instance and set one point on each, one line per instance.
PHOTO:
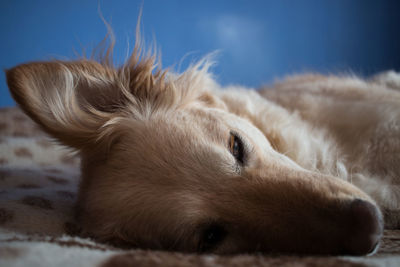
(365, 228)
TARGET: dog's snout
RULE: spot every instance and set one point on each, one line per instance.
(365, 227)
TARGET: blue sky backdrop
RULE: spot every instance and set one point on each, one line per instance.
(258, 40)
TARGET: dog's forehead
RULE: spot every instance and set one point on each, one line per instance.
(217, 121)
(178, 130)
(184, 126)
(216, 125)
(175, 152)
(207, 120)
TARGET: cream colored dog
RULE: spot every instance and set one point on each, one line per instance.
(173, 161)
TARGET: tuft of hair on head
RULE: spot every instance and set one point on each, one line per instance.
(80, 102)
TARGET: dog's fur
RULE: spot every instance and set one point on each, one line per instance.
(157, 170)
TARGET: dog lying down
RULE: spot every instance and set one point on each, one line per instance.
(175, 162)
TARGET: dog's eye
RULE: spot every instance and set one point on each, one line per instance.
(211, 237)
(236, 147)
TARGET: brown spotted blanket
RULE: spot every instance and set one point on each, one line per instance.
(38, 185)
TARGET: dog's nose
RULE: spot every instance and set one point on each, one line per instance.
(365, 226)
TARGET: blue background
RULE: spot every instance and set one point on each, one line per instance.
(258, 40)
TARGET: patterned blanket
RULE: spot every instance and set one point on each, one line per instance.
(38, 185)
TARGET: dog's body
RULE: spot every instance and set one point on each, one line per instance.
(176, 162)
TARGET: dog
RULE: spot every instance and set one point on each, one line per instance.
(173, 161)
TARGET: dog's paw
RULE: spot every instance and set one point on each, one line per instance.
(389, 78)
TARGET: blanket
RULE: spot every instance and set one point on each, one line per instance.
(38, 188)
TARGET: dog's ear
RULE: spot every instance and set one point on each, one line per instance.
(69, 100)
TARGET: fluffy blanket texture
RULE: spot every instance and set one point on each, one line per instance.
(38, 185)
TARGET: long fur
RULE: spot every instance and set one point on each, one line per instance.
(157, 170)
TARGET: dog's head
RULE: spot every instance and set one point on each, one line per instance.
(169, 164)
